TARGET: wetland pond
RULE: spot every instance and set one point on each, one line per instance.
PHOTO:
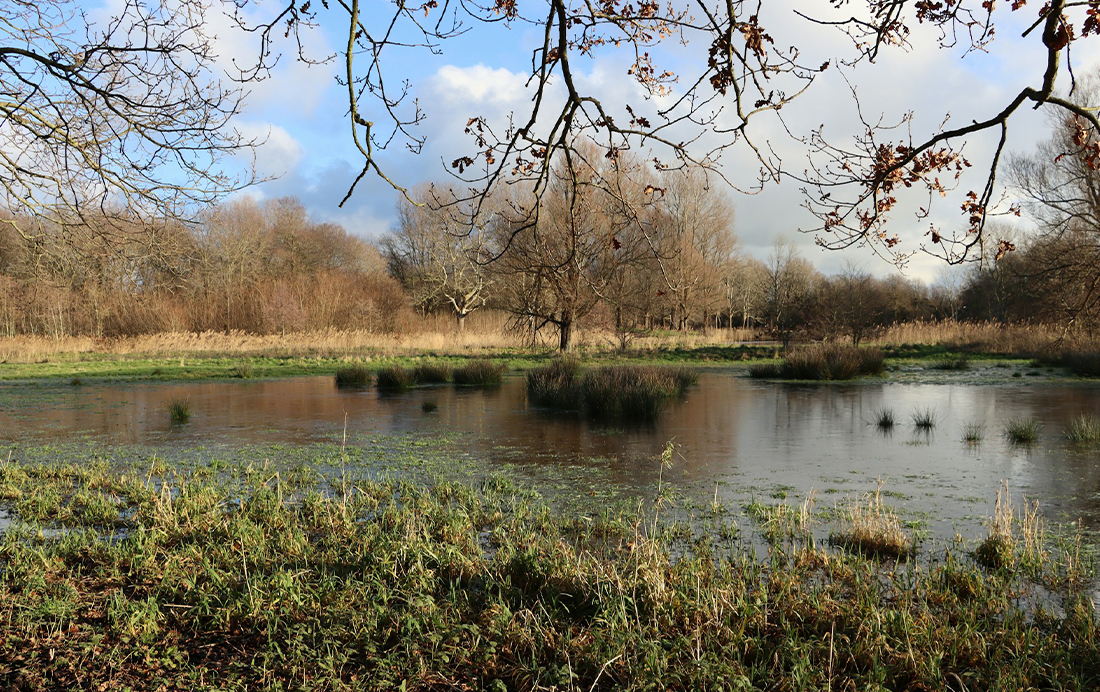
(743, 439)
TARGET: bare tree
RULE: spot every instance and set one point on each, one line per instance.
(437, 258)
(787, 291)
(121, 119)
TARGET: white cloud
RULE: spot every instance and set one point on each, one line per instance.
(279, 152)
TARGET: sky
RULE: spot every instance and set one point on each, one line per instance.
(300, 110)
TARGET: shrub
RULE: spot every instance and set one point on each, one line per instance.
(480, 372)
(354, 376)
(432, 373)
(395, 377)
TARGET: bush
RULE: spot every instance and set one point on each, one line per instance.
(354, 376)
(480, 372)
(432, 373)
(395, 377)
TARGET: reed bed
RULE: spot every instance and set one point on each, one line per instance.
(480, 372)
(829, 361)
(269, 583)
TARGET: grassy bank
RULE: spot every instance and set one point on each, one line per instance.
(173, 581)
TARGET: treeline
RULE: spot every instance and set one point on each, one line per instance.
(249, 266)
(614, 247)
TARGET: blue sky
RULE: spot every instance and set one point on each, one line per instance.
(301, 110)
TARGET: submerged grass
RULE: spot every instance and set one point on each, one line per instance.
(393, 585)
(615, 393)
(827, 361)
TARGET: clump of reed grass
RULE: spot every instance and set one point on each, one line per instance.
(950, 362)
(824, 362)
(76, 382)
(1081, 363)
(556, 385)
(973, 433)
(873, 529)
(1022, 431)
(621, 393)
(924, 418)
(1012, 536)
(429, 406)
(395, 378)
(432, 373)
(353, 376)
(480, 372)
(884, 418)
(1084, 430)
(179, 410)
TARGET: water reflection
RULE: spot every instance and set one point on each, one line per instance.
(755, 436)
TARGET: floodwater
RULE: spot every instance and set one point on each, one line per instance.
(740, 437)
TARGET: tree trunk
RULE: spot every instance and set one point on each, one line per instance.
(565, 330)
(460, 318)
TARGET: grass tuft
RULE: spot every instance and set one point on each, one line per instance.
(1084, 430)
(884, 418)
(480, 372)
(924, 419)
(353, 376)
(871, 528)
(243, 369)
(429, 406)
(179, 410)
(1022, 431)
(973, 433)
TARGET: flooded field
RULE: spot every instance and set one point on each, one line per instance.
(745, 440)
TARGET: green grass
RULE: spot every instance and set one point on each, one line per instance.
(179, 410)
(480, 372)
(1022, 431)
(1084, 430)
(244, 370)
(951, 362)
(353, 376)
(266, 584)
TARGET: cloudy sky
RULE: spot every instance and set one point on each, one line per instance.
(301, 110)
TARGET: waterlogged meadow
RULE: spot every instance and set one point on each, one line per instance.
(305, 535)
(250, 577)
